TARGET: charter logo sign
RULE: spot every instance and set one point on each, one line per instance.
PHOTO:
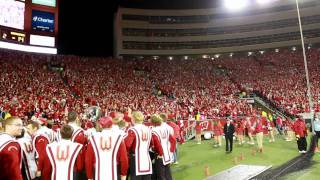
(42, 21)
(45, 2)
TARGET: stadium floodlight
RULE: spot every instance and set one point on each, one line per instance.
(170, 58)
(212, 58)
(235, 5)
(205, 56)
(250, 53)
(263, 1)
(261, 52)
(186, 57)
(294, 48)
(231, 54)
(217, 55)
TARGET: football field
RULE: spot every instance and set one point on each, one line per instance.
(193, 158)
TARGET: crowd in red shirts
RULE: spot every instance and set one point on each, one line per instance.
(187, 86)
(280, 77)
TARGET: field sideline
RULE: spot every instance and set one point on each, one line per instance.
(193, 158)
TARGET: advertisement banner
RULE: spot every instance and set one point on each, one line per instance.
(42, 21)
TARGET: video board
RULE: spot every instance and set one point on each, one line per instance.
(12, 14)
(29, 25)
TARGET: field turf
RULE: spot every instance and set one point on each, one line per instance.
(193, 158)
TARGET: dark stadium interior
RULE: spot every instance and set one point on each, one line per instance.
(194, 87)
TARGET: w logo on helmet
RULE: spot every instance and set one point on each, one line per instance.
(144, 136)
(105, 144)
(28, 147)
(62, 155)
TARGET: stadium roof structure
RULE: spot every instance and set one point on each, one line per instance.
(170, 4)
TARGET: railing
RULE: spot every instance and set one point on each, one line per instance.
(273, 105)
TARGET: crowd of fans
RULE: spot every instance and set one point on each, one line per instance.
(280, 77)
(181, 87)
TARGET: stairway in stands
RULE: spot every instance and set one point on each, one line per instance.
(269, 105)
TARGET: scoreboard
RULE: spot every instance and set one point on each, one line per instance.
(29, 25)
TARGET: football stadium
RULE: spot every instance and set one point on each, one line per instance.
(160, 90)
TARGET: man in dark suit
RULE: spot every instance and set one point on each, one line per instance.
(228, 132)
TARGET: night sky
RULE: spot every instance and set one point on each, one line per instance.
(86, 29)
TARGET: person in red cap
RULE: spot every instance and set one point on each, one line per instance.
(105, 150)
(164, 145)
(10, 150)
(40, 140)
(300, 130)
(138, 143)
(63, 157)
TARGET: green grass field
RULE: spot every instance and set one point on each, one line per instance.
(193, 158)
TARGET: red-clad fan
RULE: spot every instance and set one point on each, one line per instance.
(270, 127)
(177, 136)
(28, 151)
(78, 136)
(240, 131)
(198, 130)
(162, 139)
(90, 130)
(138, 143)
(300, 130)
(10, 150)
(250, 129)
(40, 140)
(105, 150)
(63, 158)
(279, 125)
(218, 131)
(290, 129)
(259, 129)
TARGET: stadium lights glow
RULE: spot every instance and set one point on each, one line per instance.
(205, 56)
(217, 55)
(212, 58)
(155, 57)
(263, 1)
(235, 5)
(250, 53)
(186, 57)
(170, 57)
(294, 48)
(261, 52)
(25, 48)
(276, 50)
(231, 54)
